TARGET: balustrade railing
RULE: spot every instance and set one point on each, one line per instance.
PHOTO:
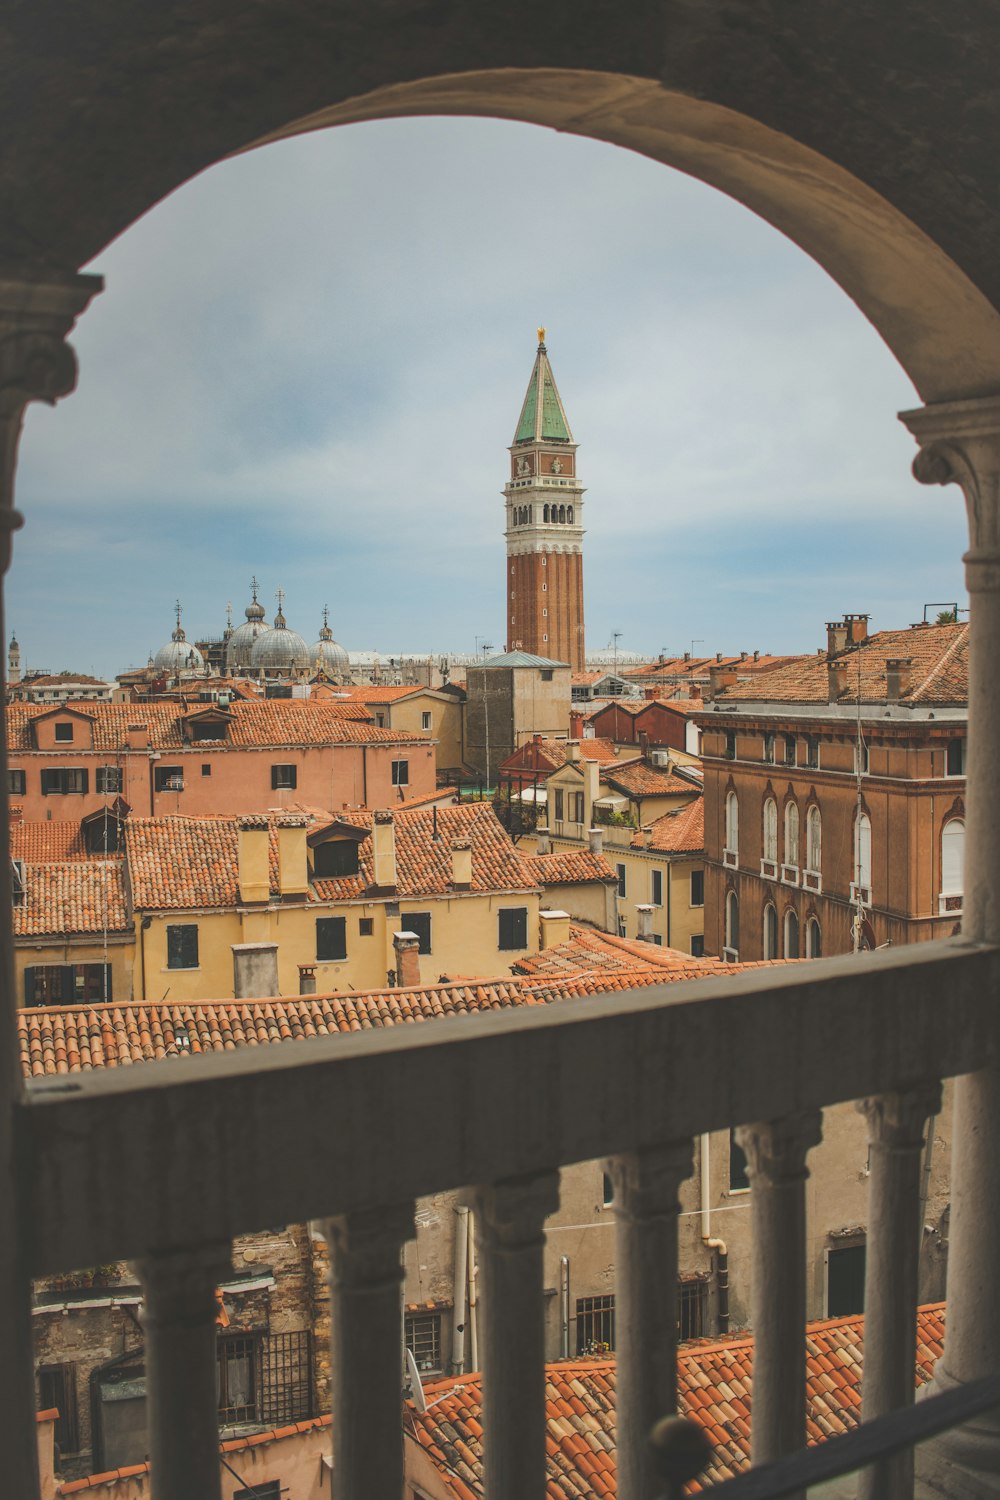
(165, 1165)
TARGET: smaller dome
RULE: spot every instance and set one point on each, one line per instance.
(327, 656)
(241, 641)
(279, 649)
(178, 655)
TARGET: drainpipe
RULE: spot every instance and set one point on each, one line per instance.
(143, 925)
(670, 871)
(710, 1240)
(564, 1306)
(473, 1313)
(925, 1184)
(461, 1280)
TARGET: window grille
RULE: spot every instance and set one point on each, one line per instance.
(423, 1339)
(264, 1380)
(108, 779)
(692, 1308)
(595, 1324)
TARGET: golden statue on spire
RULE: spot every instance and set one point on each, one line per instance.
(541, 335)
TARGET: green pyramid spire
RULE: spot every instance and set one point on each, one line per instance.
(543, 418)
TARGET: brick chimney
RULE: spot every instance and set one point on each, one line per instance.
(573, 753)
(543, 844)
(857, 628)
(719, 678)
(836, 637)
(461, 864)
(576, 724)
(836, 670)
(384, 851)
(553, 929)
(756, 656)
(898, 677)
(254, 873)
(137, 736)
(407, 950)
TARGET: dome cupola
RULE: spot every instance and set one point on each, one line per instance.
(279, 651)
(327, 655)
(239, 647)
(178, 655)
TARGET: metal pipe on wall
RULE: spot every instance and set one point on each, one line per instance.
(712, 1242)
(564, 1306)
(461, 1287)
(473, 1312)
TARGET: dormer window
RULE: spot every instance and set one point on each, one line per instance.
(64, 733)
(335, 859)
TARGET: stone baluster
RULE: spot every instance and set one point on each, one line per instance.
(510, 1238)
(366, 1281)
(895, 1135)
(180, 1310)
(960, 444)
(646, 1205)
(37, 312)
(776, 1165)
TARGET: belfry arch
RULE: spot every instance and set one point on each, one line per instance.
(870, 148)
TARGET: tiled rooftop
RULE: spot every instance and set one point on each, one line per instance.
(639, 779)
(554, 753)
(571, 866)
(274, 723)
(715, 1384)
(679, 832)
(940, 672)
(72, 896)
(589, 951)
(39, 842)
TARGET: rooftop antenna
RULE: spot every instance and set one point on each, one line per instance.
(698, 640)
(616, 636)
(949, 605)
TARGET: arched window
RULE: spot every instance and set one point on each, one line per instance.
(569, 514)
(771, 830)
(952, 856)
(733, 921)
(562, 513)
(814, 939)
(863, 852)
(791, 834)
(770, 931)
(791, 934)
(545, 512)
(732, 823)
(814, 840)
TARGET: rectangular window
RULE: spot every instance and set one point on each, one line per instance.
(57, 1387)
(560, 809)
(845, 1281)
(955, 762)
(423, 1339)
(697, 888)
(692, 1299)
(16, 783)
(426, 721)
(790, 749)
(812, 752)
(738, 1179)
(576, 807)
(622, 874)
(401, 773)
(334, 859)
(379, 720)
(182, 945)
(331, 939)
(698, 946)
(236, 1369)
(420, 923)
(512, 928)
(168, 778)
(63, 782)
(64, 734)
(66, 984)
(108, 779)
(283, 778)
(206, 768)
(769, 748)
(609, 1190)
(366, 926)
(546, 672)
(595, 1325)
(730, 744)
(656, 887)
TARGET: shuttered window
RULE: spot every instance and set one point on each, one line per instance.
(182, 945)
(331, 939)
(513, 927)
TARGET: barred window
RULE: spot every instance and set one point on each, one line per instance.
(595, 1324)
(423, 1339)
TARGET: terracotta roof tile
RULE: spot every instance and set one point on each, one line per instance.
(71, 896)
(681, 831)
(715, 1386)
(570, 867)
(39, 842)
(639, 779)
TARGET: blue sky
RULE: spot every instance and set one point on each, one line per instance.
(308, 363)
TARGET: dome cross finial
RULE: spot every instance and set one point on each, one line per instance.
(254, 586)
(326, 614)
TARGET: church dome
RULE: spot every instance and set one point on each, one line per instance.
(178, 655)
(239, 647)
(327, 655)
(279, 649)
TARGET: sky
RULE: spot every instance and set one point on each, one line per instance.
(309, 361)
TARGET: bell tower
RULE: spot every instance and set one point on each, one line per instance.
(544, 504)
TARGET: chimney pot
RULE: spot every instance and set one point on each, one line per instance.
(543, 842)
(645, 915)
(898, 677)
(595, 837)
(836, 678)
(406, 946)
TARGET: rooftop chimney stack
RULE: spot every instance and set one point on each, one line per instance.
(595, 837)
(461, 864)
(252, 856)
(836, 637)
(836, 678)
(406, 946)
(857, 629)
(293, 863)
(543, 844)
(645, 915)
(553, 929)
(719, 678)
(384, 851)
(898, 676)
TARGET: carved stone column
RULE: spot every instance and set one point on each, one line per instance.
(510, 1238)
(179, 1314)
(895, 1135)
(646, 1205)
(776, 1153)
(960, 444)
(366, 1280)
(37, 311)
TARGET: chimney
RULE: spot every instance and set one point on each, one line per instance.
(836, 678)
(650, 693)
(644, 741)
(553, 929)
(661, 660)
(255, 970)
(898, 676)
(695, 691)
(307, 979)
(407, 949)
(293, 864)
(857, 628)
(647, 835)
(719, 678)
(575, 724)
(254, 874)
(645, 915)
(687, 656)
(573, 753)
(15, 812)
(595, 837)
(756, 656)
(137, 736)
(718, 655)
(591, 782)
(384, 851)
(461, 864)
(543, 844)
(836, 637)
